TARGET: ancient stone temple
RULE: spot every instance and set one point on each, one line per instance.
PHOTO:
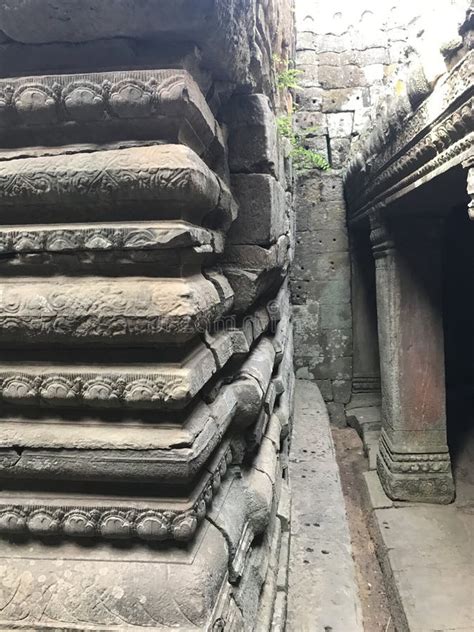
(407, 187)
(146, 374)
(201, 201)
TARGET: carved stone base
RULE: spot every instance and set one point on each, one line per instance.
(415, 477)
(108, 585)
(105, 587)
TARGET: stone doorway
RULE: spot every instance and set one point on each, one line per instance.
(458, 315)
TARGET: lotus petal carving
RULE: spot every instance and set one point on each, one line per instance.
(130, 99)
(18, 388)
(78, 523)
(114, 526)
(43, 523)
(35, 104)
(154, 526)
(57, 388)
(84, 102)
(12, 522)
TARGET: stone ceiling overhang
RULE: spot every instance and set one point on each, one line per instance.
(405, 152)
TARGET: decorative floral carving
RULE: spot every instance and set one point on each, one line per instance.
(83, 101)
(115, 523)
(103, 96)
(131, 99)
(101, 390)
(35, 104)
(18, 387)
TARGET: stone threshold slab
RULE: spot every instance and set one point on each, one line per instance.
(427, 558)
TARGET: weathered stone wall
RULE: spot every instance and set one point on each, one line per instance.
(355, 60)
(146, 374)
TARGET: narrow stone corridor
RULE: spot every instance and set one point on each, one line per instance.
(323, 591)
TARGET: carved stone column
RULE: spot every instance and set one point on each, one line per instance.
(414, 462)
(364, 316)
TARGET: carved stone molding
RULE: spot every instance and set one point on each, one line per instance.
(381, 238)
(58, 238)
(114, 385)
(109, 311)
(160, 104)
(415, 477)
(366, 384)
(151, 520)
(436, 137)
(155, 182)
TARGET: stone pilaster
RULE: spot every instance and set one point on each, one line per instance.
(366, 377)
(414, 462)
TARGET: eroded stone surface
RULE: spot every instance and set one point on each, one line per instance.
(165, 177)
(138, 397)
(89, 310)
(166, 105)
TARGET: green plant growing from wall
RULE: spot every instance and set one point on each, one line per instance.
(286, 74)
(304, 158)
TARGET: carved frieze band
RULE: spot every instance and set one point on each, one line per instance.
(457, 86)
(112, 311)
(172, 173)
(428, 463)
(104, 97)
(100, 237)
(121, 522)
(145, 387)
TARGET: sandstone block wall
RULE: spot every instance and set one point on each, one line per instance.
(146, 371)
(356, 61)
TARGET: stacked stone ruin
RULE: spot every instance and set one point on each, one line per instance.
(146, 376)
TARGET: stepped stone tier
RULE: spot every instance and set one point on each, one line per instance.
(146, 375)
